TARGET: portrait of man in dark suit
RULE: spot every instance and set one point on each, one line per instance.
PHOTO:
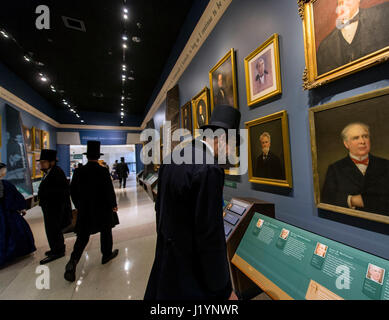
(221, 94)
(360, 180)
(359, 31)
(268, 165)
(263, 79)
(201, 110)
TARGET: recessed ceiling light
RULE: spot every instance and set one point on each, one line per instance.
(82, 121)
(122, 97)
(124, 37)
(122, 104)
(131, 78)
(124, 46)
(44, 79)
(125, 10)
(77, 116)
(125, 16)
(122, 113)
(4, 34)
(65, 103)
(136, 39)
(27, 58)
(121, 121)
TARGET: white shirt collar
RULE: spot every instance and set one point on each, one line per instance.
(358, 158)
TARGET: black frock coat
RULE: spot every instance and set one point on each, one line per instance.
(94, 197)
(344, 178)
(191, 257)
(54, 198)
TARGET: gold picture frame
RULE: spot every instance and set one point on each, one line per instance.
(28, 138)
(227, 71)
(186, 109)
(314, 38)
(275, 169)
(36, 139)
(200, 102)
(267, 56)
(328, 149)
(36, 172)
(45, 140)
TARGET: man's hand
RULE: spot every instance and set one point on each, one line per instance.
(357, 201)
(233, 296)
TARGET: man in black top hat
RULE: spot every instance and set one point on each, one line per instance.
(191, 256)
(94, 197)
(122, 172)
(54, 199)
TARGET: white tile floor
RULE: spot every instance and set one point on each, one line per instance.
(125, 277)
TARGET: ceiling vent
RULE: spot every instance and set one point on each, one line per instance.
(74, 24)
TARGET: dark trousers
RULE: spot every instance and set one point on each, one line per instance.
(83, 239)
(53, 229)
(123, 181)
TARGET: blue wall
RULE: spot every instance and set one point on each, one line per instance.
(244, 26)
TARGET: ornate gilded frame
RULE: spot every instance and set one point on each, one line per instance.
(229, 55)
(187, 106)
(310, 78)
(272, 40)
(43, 135)
(202, 95)
(283, 116)
(34, 161)
(332, 105)
(36, 133)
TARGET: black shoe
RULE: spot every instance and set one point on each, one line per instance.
(52, 258)
(114, 253)
(48, 253)
(70, 271)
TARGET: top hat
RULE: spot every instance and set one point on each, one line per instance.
(49, 155)
(93, 149)
(224, 117)
(122, 159)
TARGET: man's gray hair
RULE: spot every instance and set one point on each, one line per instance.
(344, 132)
(265, 134)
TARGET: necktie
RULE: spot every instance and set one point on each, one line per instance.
(365, 162)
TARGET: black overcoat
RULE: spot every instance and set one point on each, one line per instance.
(54, 198)
(122, 170)
(191, 258)
(94, 197)
(344, 178)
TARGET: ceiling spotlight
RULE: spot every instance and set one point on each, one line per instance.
(72, 110)
(121, 121)
(65, 103)
(122, 98)
(27, 58)
(136, 39)
(125, 16)
(77, 116)
(125, 10)
(82, 121)
(122, 104)
(122, 109)
(122, 113)
(124, 46)
(124, 37)
(4, 34)
(43, 78)
(52, 88)
(131, 78)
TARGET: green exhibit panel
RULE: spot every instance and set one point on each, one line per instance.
(290, 263)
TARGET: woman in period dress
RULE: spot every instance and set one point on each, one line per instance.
(16, 238)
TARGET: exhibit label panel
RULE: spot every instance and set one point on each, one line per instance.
(298, 264)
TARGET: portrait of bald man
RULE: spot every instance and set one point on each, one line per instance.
(360, 180)
(359, 30)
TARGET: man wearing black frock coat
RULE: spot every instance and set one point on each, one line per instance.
(94, 197)
(191, 257)
(360, 180)
(54, 199)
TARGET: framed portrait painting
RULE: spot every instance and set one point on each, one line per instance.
(36, 139)
(269, 150)
(27, 132)
(200, 108)
(45, 140)
(343, 37)
(186, 117)
(222, 81)
(350, 157)
(262, 68)
(36, 170)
